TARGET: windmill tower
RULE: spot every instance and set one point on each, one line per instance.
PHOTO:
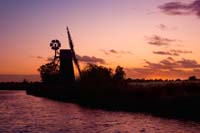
(66, 66)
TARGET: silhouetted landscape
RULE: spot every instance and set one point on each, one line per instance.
(172, 99)
(101, 87)
(100, 66)
(176, 99)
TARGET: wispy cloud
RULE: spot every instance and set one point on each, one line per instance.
(90, 59)
(49, 59)
(181, 51)
(113, 51)
(85, 58)
(172, 52)
(165, 53)
(160, 41)
(164, 27)
(180, 8)
(161, 27)
(187, 63)
(38, 57)
(169, 63)
(117, 52)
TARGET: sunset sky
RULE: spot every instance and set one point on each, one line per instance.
(149, 38)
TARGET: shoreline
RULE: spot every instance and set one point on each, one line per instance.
(179, 100)
(179, 103)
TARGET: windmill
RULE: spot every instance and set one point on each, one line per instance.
(71, 45)
(66, 59)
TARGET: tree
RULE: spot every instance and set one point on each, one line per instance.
(96, 73)
(119, 74)
(49, 72)
(192, 78)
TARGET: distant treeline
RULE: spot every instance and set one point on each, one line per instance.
(191, 78)
(15, 85)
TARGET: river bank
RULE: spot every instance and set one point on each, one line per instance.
(167, 99)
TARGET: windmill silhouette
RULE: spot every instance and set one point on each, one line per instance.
(66, 59)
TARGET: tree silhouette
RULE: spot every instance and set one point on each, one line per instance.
(96, 73)
(192, 78)
(49, 72)
(119, 74)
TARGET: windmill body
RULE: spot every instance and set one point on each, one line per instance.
(66, 66)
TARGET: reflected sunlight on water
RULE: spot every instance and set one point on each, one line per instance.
(23, 113)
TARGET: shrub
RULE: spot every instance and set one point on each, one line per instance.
(96, 73)
(192, 78)
(49, 72)
(119, 74)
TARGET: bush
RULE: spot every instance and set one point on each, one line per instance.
(49, 72)
(192, 78)
(119, 74)
(96, 73)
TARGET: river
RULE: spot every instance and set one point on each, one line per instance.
(24, 113)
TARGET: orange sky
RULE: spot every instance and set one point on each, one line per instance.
(149, 39)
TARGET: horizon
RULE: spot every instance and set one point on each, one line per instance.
(150, 40)
(36, 78)
(19, 78)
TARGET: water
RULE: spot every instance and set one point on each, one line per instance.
(23, 113)
(19, 78)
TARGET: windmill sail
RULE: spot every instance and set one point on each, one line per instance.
(73, 52)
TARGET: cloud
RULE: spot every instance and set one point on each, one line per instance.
(186, 63)
(165, 53)
(162, 27)
(116, 52)
(85, 58)
(166, 68)
(157, 74)
(49, 59)
(160, 41)
(126, 52)
(90, 59)
(172, 52)
(113, 51)
(179, 8)
(38, 57)
(170, 63)
(181, 51)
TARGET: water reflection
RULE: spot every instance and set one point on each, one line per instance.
(22, 113)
